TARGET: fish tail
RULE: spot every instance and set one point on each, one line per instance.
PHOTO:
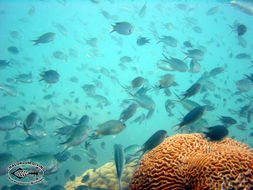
(120, 186)
(113, 29)
(35, 42)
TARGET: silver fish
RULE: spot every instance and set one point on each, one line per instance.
(119, 161)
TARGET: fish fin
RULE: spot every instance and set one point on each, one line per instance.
(119, 181)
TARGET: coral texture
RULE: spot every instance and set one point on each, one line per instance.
(186, 161)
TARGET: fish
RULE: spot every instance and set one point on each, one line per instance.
(4, 64)
(37, 131)
(60, 55)
(24, 78)
(77, 136)
(243, 56)
(216, 133)
(169, 104)
(85, 178)
(144, 101)
(195, 67)
(195, 54)
(191, 117)
(227, 121)
(128, 112)
(212, 11)
(62, 156)
(93, 161)
(243, 85)
(89, 89)
(6, 159)
(45, 38)
(137, 82)
(62, 29)
(77, 158)
(142, 41)
(50, 76)
(166, 81)
(111, 127)
(14, 50)
(188, 44)
(216, 71)
(29, 121)
(47, 160)
(169, 41)
(194, 89)
(9, 90)
(123, 28)
(153, 141)
(250, 77)
(9, 123)
(142, 11)
(119, 160)
(176, 64)
(67, 173)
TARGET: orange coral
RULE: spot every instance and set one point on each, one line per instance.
(186, 161)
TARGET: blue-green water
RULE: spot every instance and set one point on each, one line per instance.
(23, 21)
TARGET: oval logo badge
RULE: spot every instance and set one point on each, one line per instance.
(26, 173)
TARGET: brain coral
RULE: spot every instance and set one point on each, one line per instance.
(186, 161)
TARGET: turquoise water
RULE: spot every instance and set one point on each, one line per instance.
(83, 20)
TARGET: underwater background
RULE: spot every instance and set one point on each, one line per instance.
(85, 51)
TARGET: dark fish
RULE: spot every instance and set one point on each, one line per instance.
(29, 121)
(142, 41)
(168, 106)
(153, 141)
(89, 89)
(76, 137)
(9, 122)
(67, 173)
(216, 71)
(13, 50)
(188, 44)
(72, 177)
(47, 160)
(50, 76)
(194, 89)
(243, 85)
(128, 112)
(250, 77)
(84, 120)
(241, 29)
(216, 133)
(119, 161)
(102, 145)
(45, 38)
(243, 56)
(123, 28)
(85, 178)
(62, 156)
(227, 120)
(192, 116)
(111, 127)
(77, 158)
(137, 82)
(93, 161)
(4, 64)
(249, 116)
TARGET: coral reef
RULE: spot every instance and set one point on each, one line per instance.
(186, 161)
(104, 177)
